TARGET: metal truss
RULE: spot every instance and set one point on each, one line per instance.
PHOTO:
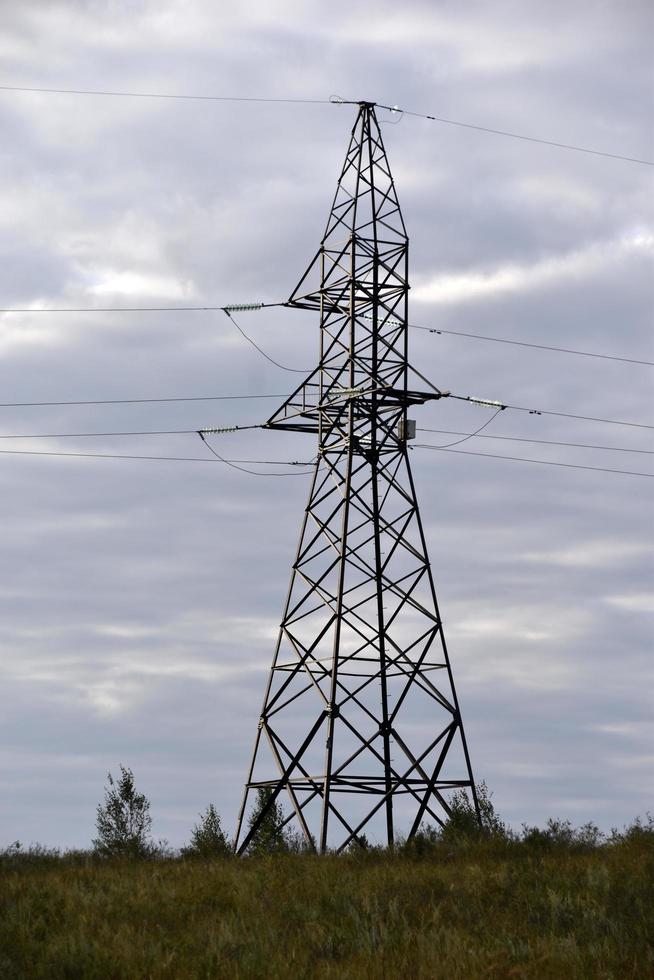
(360, 726)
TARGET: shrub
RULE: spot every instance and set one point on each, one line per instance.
(463, 823)
(270, 836)
(561, 834)
(123, 821)
(358, 845)
(207, 837)
(641, 831)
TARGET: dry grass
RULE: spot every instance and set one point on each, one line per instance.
(482, 910)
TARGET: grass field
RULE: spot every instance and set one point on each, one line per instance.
(485, 909)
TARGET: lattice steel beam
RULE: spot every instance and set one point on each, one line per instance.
(360, 702)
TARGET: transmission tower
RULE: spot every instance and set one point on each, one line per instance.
(360, 726)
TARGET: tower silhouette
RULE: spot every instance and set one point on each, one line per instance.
(360, 727)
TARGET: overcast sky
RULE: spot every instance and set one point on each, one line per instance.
(140, 599)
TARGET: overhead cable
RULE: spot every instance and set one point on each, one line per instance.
(518, 136)
(141, 309)
(524, 343)
(236, 466)
(146, 432)
(205, 398)
(307, 463)
(540, 442)
(471, 435)
(333, 100)
(260, 306)
(137, 401)
(237, 428)
(284, 367)
(542, 411)
(159, 95)
(542, 462)
(170, 459)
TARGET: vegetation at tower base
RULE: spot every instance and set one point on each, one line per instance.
(560, 903)
(123, 821)
(270, 837)
(463, 822)
(208, 838)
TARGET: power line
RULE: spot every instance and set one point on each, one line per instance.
(565, 415)
(523, 343)
(284, 367)
(542, 462)
(240, 428)
(151, 432)
(205, 398)
(232, 463)
(412, 326)
(170, 459)
(582, 418)
(137, 309)
(136, 401)
(333, 100)
(477, 432)
(201, 459)
(519, 136)
(541, 442)
(159, 95)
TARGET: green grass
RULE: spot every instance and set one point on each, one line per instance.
(490, 909)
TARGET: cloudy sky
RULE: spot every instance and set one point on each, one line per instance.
(140, 598)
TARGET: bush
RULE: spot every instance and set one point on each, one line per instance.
(359, 845)
(208, 839)
(641, 831)
(270, 836)
(561, 834)
(123, 821)
(463, 823)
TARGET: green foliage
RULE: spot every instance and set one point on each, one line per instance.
(297, 843)
(639, 832)
(36, 854)
(208, 840)
(123, 821)
(463, 825)
(359, 845)
(270, 837)
(424, 843)
(561, 834)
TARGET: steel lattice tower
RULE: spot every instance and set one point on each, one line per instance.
(360, 719)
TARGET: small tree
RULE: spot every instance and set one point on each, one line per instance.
(463, 824)
(123, 821)
(207, 837)
(358, 845)
(270, 837)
